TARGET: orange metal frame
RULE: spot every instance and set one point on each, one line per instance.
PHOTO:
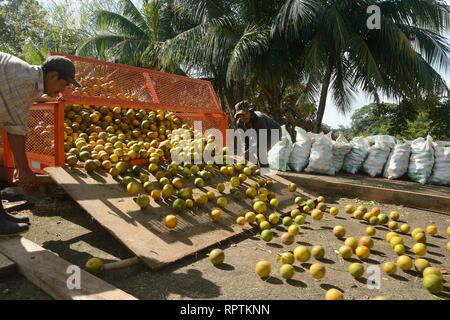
(148, 75)
(215, 114)
(40, 161)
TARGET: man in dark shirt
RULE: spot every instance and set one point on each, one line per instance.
(247, 119)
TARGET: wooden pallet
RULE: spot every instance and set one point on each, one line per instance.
(50, 273)
(143, 231)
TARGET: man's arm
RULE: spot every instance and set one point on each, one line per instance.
(24, 175)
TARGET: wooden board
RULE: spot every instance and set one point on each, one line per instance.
(408, 194)
(143, 231)
(49, 272)
(7, 267)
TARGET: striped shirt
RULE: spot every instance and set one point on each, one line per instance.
(20, 85)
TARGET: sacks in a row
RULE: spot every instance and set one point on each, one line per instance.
(310, 152)
(421, 160)
(317, 153)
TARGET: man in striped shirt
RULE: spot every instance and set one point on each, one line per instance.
(22, 84)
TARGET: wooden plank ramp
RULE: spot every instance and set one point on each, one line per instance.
(49, 272)
(143, 231)
(406, 193)
(7, 267)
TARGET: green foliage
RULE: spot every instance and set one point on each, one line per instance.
(30, 31)
(21, 20)
(407, 120)
(295, 110)
(341, 55)
(133, 34)
(260, 48)
(285, 55)
(32, 54)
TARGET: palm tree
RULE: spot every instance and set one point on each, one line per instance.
(343, 55)
(133, 35)
(213, 44)
(231, 44)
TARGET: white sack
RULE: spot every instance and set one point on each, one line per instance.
(378, 155)
(278, 155)
(422, 160)
(441, 170)
(397, 164)
(355, 159)
(321, 157)
(341, 147)
(300, 151)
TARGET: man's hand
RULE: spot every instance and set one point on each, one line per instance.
(46, 98)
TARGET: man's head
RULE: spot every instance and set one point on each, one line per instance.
(59, 72)
(244, 111)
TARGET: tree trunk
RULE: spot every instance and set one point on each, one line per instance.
(274, 98)
(323, 96)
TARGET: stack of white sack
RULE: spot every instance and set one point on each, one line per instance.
(422, 160)
(300, 151)
(321, 157)
(397, 164)
(341, 147)
(441, 170)
(355, 159)
(279, 154)
(378, 155)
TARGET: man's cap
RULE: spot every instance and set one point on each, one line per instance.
(243, 107)
(64, 67)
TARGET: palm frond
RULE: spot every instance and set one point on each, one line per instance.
(361, 53)
(334, 24)
(296, 14)
(201, 11)
(204, 44)
(342, 86)
(431, 45)
(253, 42)
(98, 45)
(130, 11)
(111, 21)
(431, 14)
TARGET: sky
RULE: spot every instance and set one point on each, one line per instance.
(332, 117)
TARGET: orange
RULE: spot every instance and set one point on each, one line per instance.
(170, 221)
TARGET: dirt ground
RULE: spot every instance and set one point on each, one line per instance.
(60, 225)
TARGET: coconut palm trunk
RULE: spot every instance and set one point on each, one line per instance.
(323, 96)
